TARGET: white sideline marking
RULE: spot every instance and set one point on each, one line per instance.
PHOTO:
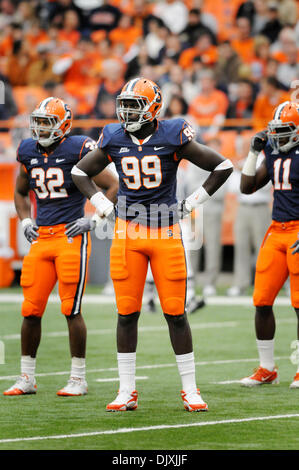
(142, 329)
(150, 366)
(106, 299)
(149, 428)
(116, 379)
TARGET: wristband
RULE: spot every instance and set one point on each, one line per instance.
(249, 168)
(225, 165)
(26, 222)
(77, 172)
(198, 197)
(103, 205)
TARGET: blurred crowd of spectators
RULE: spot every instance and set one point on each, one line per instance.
(214, 59)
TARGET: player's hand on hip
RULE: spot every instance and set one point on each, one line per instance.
(184, 209)
(259, 141)
(79, 226)
(296, 246)
(30, 229)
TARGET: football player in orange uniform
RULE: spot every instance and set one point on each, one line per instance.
(146, 153)
(60, 239)
(278, 258)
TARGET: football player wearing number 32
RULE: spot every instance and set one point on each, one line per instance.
(278, 255)
(146, 153)
(60, 239)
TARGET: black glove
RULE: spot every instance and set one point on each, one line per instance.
(30, 230)
(258, 141)
(182, 210)
(79, 226)
(296, 246)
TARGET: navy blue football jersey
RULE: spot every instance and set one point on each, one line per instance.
(58, 200)
(147, 170)
(283, 169)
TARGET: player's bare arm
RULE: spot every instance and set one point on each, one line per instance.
(21, 194)
(22, 204)
(91, 165)
(107, 181)
(253, 179)
(82, 173)
(210, 160)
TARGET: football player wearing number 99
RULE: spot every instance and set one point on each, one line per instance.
(60, 238)
(278, 255)
(146, 153)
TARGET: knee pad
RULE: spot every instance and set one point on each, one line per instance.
(178, 321)
(127, 305)
(31, 309)
(262, 299)
(173, 306)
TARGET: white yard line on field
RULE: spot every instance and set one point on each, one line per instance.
(144, 329)
(105, 299)
(149, 366)
(149, 428)
(141, 329)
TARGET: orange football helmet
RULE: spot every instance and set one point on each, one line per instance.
(50, 121)
(283, 130)
(139, 102)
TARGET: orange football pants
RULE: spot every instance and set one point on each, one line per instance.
(133, 247)
(275, 263)
(54, 257)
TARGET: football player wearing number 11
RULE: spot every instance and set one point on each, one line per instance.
(278, 255)
(146, 153)
(60, 242)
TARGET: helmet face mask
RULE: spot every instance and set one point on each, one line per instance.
(45, 129)
(50, 121)
(283, 130)
(139, 103)
(282, 136)
(131, 112)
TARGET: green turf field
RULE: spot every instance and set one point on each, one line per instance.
(224, 344)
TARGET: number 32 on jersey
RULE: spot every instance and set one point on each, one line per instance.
(145, 172)
(49, 183)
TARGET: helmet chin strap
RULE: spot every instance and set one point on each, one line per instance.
(133, 127)
(45, 142)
